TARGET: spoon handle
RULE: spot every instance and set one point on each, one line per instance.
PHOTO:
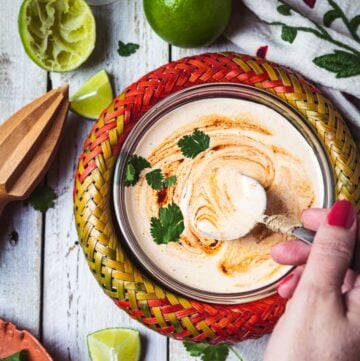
(304, 234)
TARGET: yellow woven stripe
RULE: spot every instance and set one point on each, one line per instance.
(159, 292)
(184, 302)
(175, 322)
(132, 299)
(119, 286)
(295, 83)
(106, 153)
(284, 77)
(159, 316)
(123, 276)
(242, 64)
(142, 296)
(255, 66)
(270, 70)
(189, 326)
(206, 329)
(149, 285)
(138, 276)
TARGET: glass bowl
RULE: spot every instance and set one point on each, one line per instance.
(206, 91)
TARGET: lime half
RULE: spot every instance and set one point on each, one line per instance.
(114, 344)
(93, 96)
(57, 35)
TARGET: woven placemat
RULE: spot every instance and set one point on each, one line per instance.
(143, 299)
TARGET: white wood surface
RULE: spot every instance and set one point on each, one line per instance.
(68, 303)
(20, 262)
(73, 303)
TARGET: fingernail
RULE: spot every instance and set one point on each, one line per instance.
(341, 214)
(284, 280)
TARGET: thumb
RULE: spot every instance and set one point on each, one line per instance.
(332, 249)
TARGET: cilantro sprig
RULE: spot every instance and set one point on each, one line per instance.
(156, 180)
(127, 49)
(209, 352)
(134, 166)
(42, 198)
(169, 226)
(192, 145)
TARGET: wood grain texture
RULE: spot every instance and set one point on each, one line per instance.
(20, 226)
(74, 304)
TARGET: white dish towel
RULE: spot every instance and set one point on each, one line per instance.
(318, 38)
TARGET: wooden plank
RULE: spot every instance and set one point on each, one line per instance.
(251, 350)
(74, 305)
(221, 44)
(20, 226)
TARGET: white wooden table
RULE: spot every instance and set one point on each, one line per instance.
(45, 284)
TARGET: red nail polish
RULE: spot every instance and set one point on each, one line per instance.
(341, 215)
(285, 279)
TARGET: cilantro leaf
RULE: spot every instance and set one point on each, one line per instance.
(192, 145)
(208, 352)
(170, 181)
(42, 198)
(19, 356)
(134, 166)
(156, 180)
(195, 349)
(130, 172)
(127, 49)
(169, 226)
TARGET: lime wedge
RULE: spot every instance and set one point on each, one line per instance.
(114, 344)
(93, 96)
(57, 35)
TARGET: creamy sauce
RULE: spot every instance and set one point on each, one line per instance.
(245, 139)
(240, 203)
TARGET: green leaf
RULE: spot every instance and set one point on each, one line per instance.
(130, 172)
(127, 49)
(207, 352)
(192, 145)
(342, 63)
(288, 33)
(330, 16)
(42, 198)
(19, 356)
(169, 226)
(155, 179)
(134, 166)
(170, 181)
(284, 9)
(195, 349)
(354, 23)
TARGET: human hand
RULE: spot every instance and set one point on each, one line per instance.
(322, 319)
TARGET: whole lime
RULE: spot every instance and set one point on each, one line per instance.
(188, 23)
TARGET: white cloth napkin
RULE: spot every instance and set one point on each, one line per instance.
(318, 38)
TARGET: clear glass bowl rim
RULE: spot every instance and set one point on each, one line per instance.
(175, 100)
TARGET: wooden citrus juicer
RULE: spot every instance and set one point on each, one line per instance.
(28, 142)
